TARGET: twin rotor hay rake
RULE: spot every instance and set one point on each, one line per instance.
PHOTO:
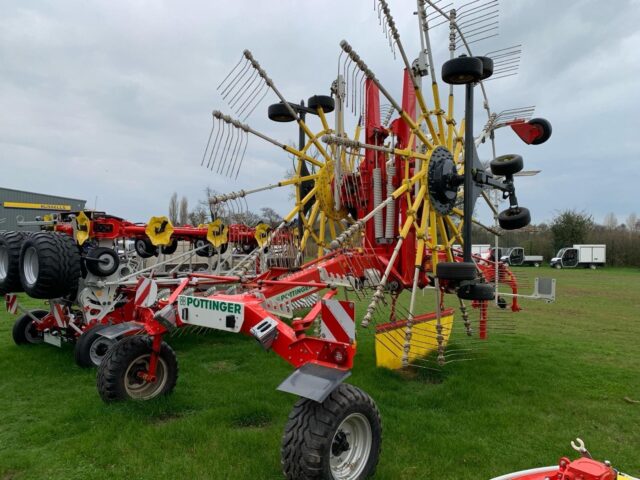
(82, 264)
(382, 210)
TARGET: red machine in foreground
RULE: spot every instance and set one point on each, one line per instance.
(584, 468)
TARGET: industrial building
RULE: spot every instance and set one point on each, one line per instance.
(18, 205)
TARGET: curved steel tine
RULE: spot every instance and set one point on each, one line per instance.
(219, 142)
(229, 74)
(225, 150)
(206, 149)
(232, 160)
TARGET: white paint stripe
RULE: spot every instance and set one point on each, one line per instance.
(342, 317)
(326, 333)
(12, 303)
(143, 290)
(58, 314)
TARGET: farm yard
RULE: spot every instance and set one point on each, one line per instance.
(572, 370)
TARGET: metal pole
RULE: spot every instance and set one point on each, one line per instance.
(301, 137)
(468, 165)
(304, 170)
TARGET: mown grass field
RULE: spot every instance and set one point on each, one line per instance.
(573, 369)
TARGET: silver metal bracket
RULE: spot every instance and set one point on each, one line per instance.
(265, 332)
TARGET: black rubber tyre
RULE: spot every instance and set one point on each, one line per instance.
(171, 248)
(315, 432)
(205, 249)
(278, 112)
(456, 271)
(513, 219)
(92, 347)
(476, 291)
(506, 165)
(545, 126)
(462, 70)
(117, 379)
(50, 265)
(23, 330)
(144, 248)
(10, 246)
(102, 261)
(502, 303)
(487, 67)
(325, 102)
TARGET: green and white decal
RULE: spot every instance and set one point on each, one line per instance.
(211, 313)
(290, 295)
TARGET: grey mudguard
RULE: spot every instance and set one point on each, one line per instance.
(313, 381)
(115, 331)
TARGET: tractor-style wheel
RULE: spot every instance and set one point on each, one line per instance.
(171, 248)
(545, 130)
(506, 164)
(102, 261)
(502, 303)
(144, 248)
(325, 102)
(514, 218)
(278, 112)
(120, 372)
(204, 248)
(24, 331)
(462, 70)
(487, 67)
(92, 347)
(338, 439)
(456, 271)
(10, 245)
(50, 265)
(476, 291)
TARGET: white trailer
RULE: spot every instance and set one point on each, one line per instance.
(588, 256)
(516, 257)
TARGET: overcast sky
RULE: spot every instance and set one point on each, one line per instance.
(112, 100)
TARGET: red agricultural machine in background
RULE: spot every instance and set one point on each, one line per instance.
(82, 264)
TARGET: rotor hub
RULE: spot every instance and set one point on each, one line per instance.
(442, 181)
(325, 193)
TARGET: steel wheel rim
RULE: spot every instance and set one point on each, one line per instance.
(31, 334)
(350, 463)
(139, 389)
(106, 262)
(31, 265)
(99, 349)
(4, 262)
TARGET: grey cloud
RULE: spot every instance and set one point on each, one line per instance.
(114, 99)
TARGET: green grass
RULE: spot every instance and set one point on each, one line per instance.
(565, 374)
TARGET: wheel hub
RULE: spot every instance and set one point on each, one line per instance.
(136, 383)
(443, 189)
(99, 349)
(351, 447)
(4, 262)
(31, 265)
(340, 444)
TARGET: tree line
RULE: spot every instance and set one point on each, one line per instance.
(569, 227)
(206, 211)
